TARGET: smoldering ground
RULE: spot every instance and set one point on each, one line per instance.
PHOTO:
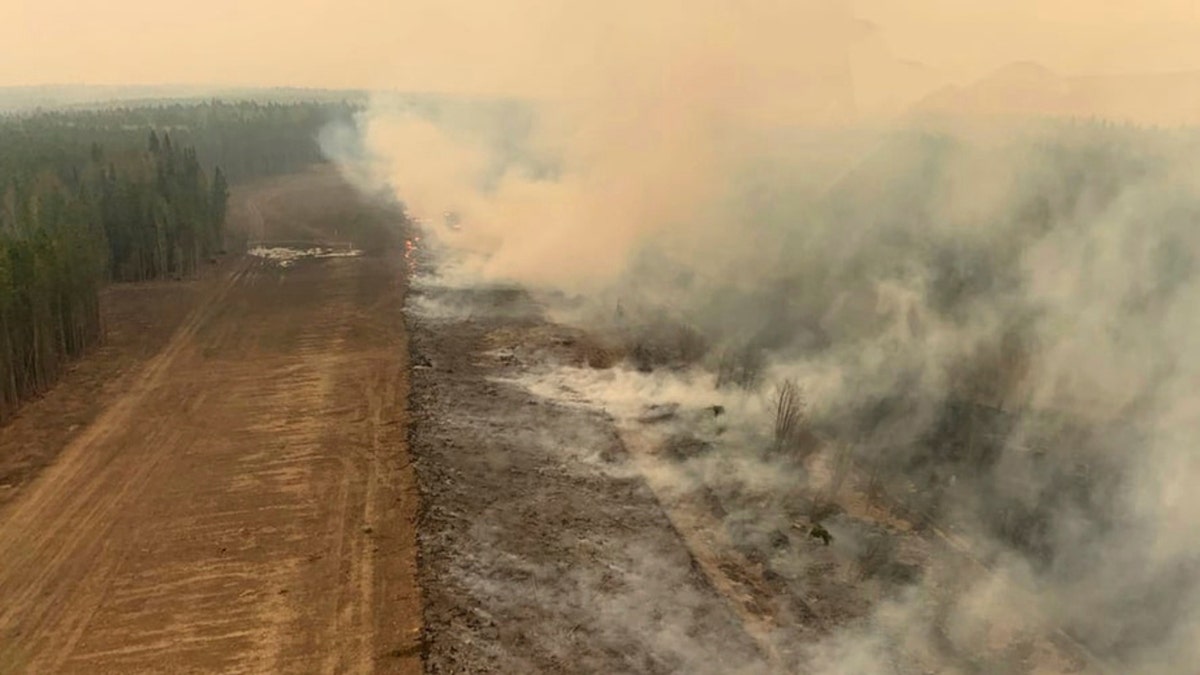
(1023, 367)
(995, 318)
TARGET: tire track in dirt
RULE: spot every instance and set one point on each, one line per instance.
(226, 513)
(33, 536)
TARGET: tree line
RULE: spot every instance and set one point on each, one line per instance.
(89, 197)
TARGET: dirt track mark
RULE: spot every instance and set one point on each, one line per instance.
(221, 515)
(65, 501)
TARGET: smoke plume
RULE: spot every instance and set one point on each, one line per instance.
(1025, 292)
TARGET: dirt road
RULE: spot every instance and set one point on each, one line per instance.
(245, 502)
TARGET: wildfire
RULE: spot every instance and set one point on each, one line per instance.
(410, 253)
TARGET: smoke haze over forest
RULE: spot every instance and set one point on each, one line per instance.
(721, 168)
(919, 216)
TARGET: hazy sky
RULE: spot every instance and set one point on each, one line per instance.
(460, 44)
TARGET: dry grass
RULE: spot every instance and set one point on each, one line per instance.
(740, 368)
(789, 413)
(843, 461)
(665, 344)
(876, 553)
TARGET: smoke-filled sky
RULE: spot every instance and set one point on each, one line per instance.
(897, 48)
(684, 130)
(733, 162)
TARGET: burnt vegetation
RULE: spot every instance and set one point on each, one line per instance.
(957, 435)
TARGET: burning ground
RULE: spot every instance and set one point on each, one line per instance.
(915, 395)
(542, 548)
(936, 419)
(584, 515)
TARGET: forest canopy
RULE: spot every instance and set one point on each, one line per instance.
(121, 194)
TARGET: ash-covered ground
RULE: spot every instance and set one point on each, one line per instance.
(541, 547)
(587, 512)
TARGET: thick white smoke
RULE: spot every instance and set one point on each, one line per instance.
(709, 165)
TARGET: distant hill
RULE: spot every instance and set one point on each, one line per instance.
(1028, 89)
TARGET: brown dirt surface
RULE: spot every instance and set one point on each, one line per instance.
(231, 490)
(139, 320)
